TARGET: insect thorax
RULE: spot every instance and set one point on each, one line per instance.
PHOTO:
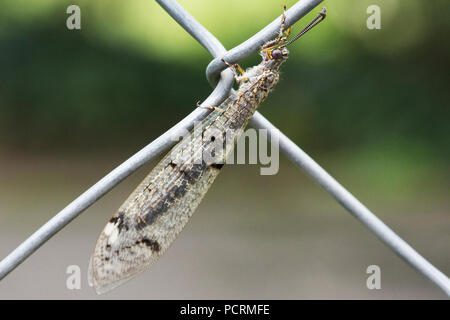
(261, 79)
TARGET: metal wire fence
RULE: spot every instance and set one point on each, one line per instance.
(222, 79)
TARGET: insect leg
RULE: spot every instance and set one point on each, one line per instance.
(280, 39)
(239, 77)
(212, 108)
(269, 46)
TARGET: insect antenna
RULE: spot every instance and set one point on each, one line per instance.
(320, 17)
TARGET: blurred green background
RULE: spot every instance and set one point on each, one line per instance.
(370, 105)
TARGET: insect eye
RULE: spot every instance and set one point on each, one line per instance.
(276, 54)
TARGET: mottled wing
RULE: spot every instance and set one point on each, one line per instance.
(154, 214)
(145, 226)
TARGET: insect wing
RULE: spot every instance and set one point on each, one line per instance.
(151, 218)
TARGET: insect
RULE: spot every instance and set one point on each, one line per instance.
(150, 219)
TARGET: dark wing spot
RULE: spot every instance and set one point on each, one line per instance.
(217, 166)
(122, 223)
(113, 220)
(120, 219)
(152, 244)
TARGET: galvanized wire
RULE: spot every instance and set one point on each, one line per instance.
(353, 205)
(221, 91)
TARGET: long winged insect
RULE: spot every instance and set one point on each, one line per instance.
(150, 219)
